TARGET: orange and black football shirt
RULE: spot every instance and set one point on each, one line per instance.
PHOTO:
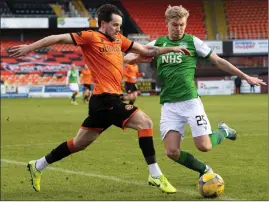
(104, 57)
(131, 72)
(86, 76)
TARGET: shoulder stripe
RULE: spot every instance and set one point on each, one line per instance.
(74, 41)
(129, 47)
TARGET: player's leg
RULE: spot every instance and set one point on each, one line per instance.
(91, 90)
(134, 96)
(74, 88)
(203, 137)
(74, 97)
(83, 139)
(86, 94)
(89, 131)
(172, 132)
(139, 121)
(134, 93)
(131, 96)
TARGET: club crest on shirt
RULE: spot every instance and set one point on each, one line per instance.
(183, 44)
(129, 107)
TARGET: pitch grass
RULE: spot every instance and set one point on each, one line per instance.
(113, 168)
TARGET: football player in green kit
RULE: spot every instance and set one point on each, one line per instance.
(72, 79)
(180, 102)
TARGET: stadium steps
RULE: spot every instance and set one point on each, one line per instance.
(79, 6)
(256, 13)
(209, 21)
(220, 19)
(86, 13)
(57, 9)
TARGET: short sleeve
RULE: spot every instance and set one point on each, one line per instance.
(82, 38)
(68, 73)
(152, 43)
(201, 48)
(126, 44)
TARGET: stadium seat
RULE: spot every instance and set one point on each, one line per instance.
(256, 13)
(152, 22)
(27, 70)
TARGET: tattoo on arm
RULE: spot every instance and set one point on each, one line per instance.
(153, 51)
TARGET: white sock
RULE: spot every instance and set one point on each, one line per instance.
(154, 170)
(41, 164)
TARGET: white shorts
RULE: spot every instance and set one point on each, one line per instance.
(175, 115)
(74, 87)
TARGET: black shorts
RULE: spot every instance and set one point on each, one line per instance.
(106, 110)
(130, 87)
(88, 86)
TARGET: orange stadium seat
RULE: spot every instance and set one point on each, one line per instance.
(58, 56)
(152, 21)
(256, 13)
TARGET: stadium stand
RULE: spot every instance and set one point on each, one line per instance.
(29, 8)
(32, 79)
(152, 21)
(4, 9)
(29, 70)
(247, 19)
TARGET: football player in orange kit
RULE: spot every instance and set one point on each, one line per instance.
(86, 78)
(102, 51)
(131, 72)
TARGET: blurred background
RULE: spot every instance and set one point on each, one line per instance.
(236, 30)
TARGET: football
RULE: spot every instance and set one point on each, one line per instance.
(211, 185)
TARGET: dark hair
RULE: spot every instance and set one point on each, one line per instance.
(105, 12)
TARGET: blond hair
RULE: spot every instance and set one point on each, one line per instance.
(176, 12)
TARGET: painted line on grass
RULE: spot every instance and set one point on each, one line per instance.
(111, 178)
(108, 141)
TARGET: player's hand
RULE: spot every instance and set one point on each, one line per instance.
(143, 59)
(132, 58)
(255, 81)
(17, 51)
(182, 50)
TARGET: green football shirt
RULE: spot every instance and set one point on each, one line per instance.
(176, 70)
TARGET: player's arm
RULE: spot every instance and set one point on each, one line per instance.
(132, 58)
(140, 74)
(204, 51)
(21, 50)
(67, 77)
(78, 78)
(226, 66)
(153, 51)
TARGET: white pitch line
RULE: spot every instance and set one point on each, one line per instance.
(111, 178)
(108, 141)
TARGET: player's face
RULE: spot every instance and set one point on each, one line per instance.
(112, 28)
(176, 27)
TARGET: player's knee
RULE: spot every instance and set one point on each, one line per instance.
(146, 122)
(79, 146)
(172, 153)
(204, 147)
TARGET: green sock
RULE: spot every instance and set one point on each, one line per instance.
(217, 136)
(188, 160)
